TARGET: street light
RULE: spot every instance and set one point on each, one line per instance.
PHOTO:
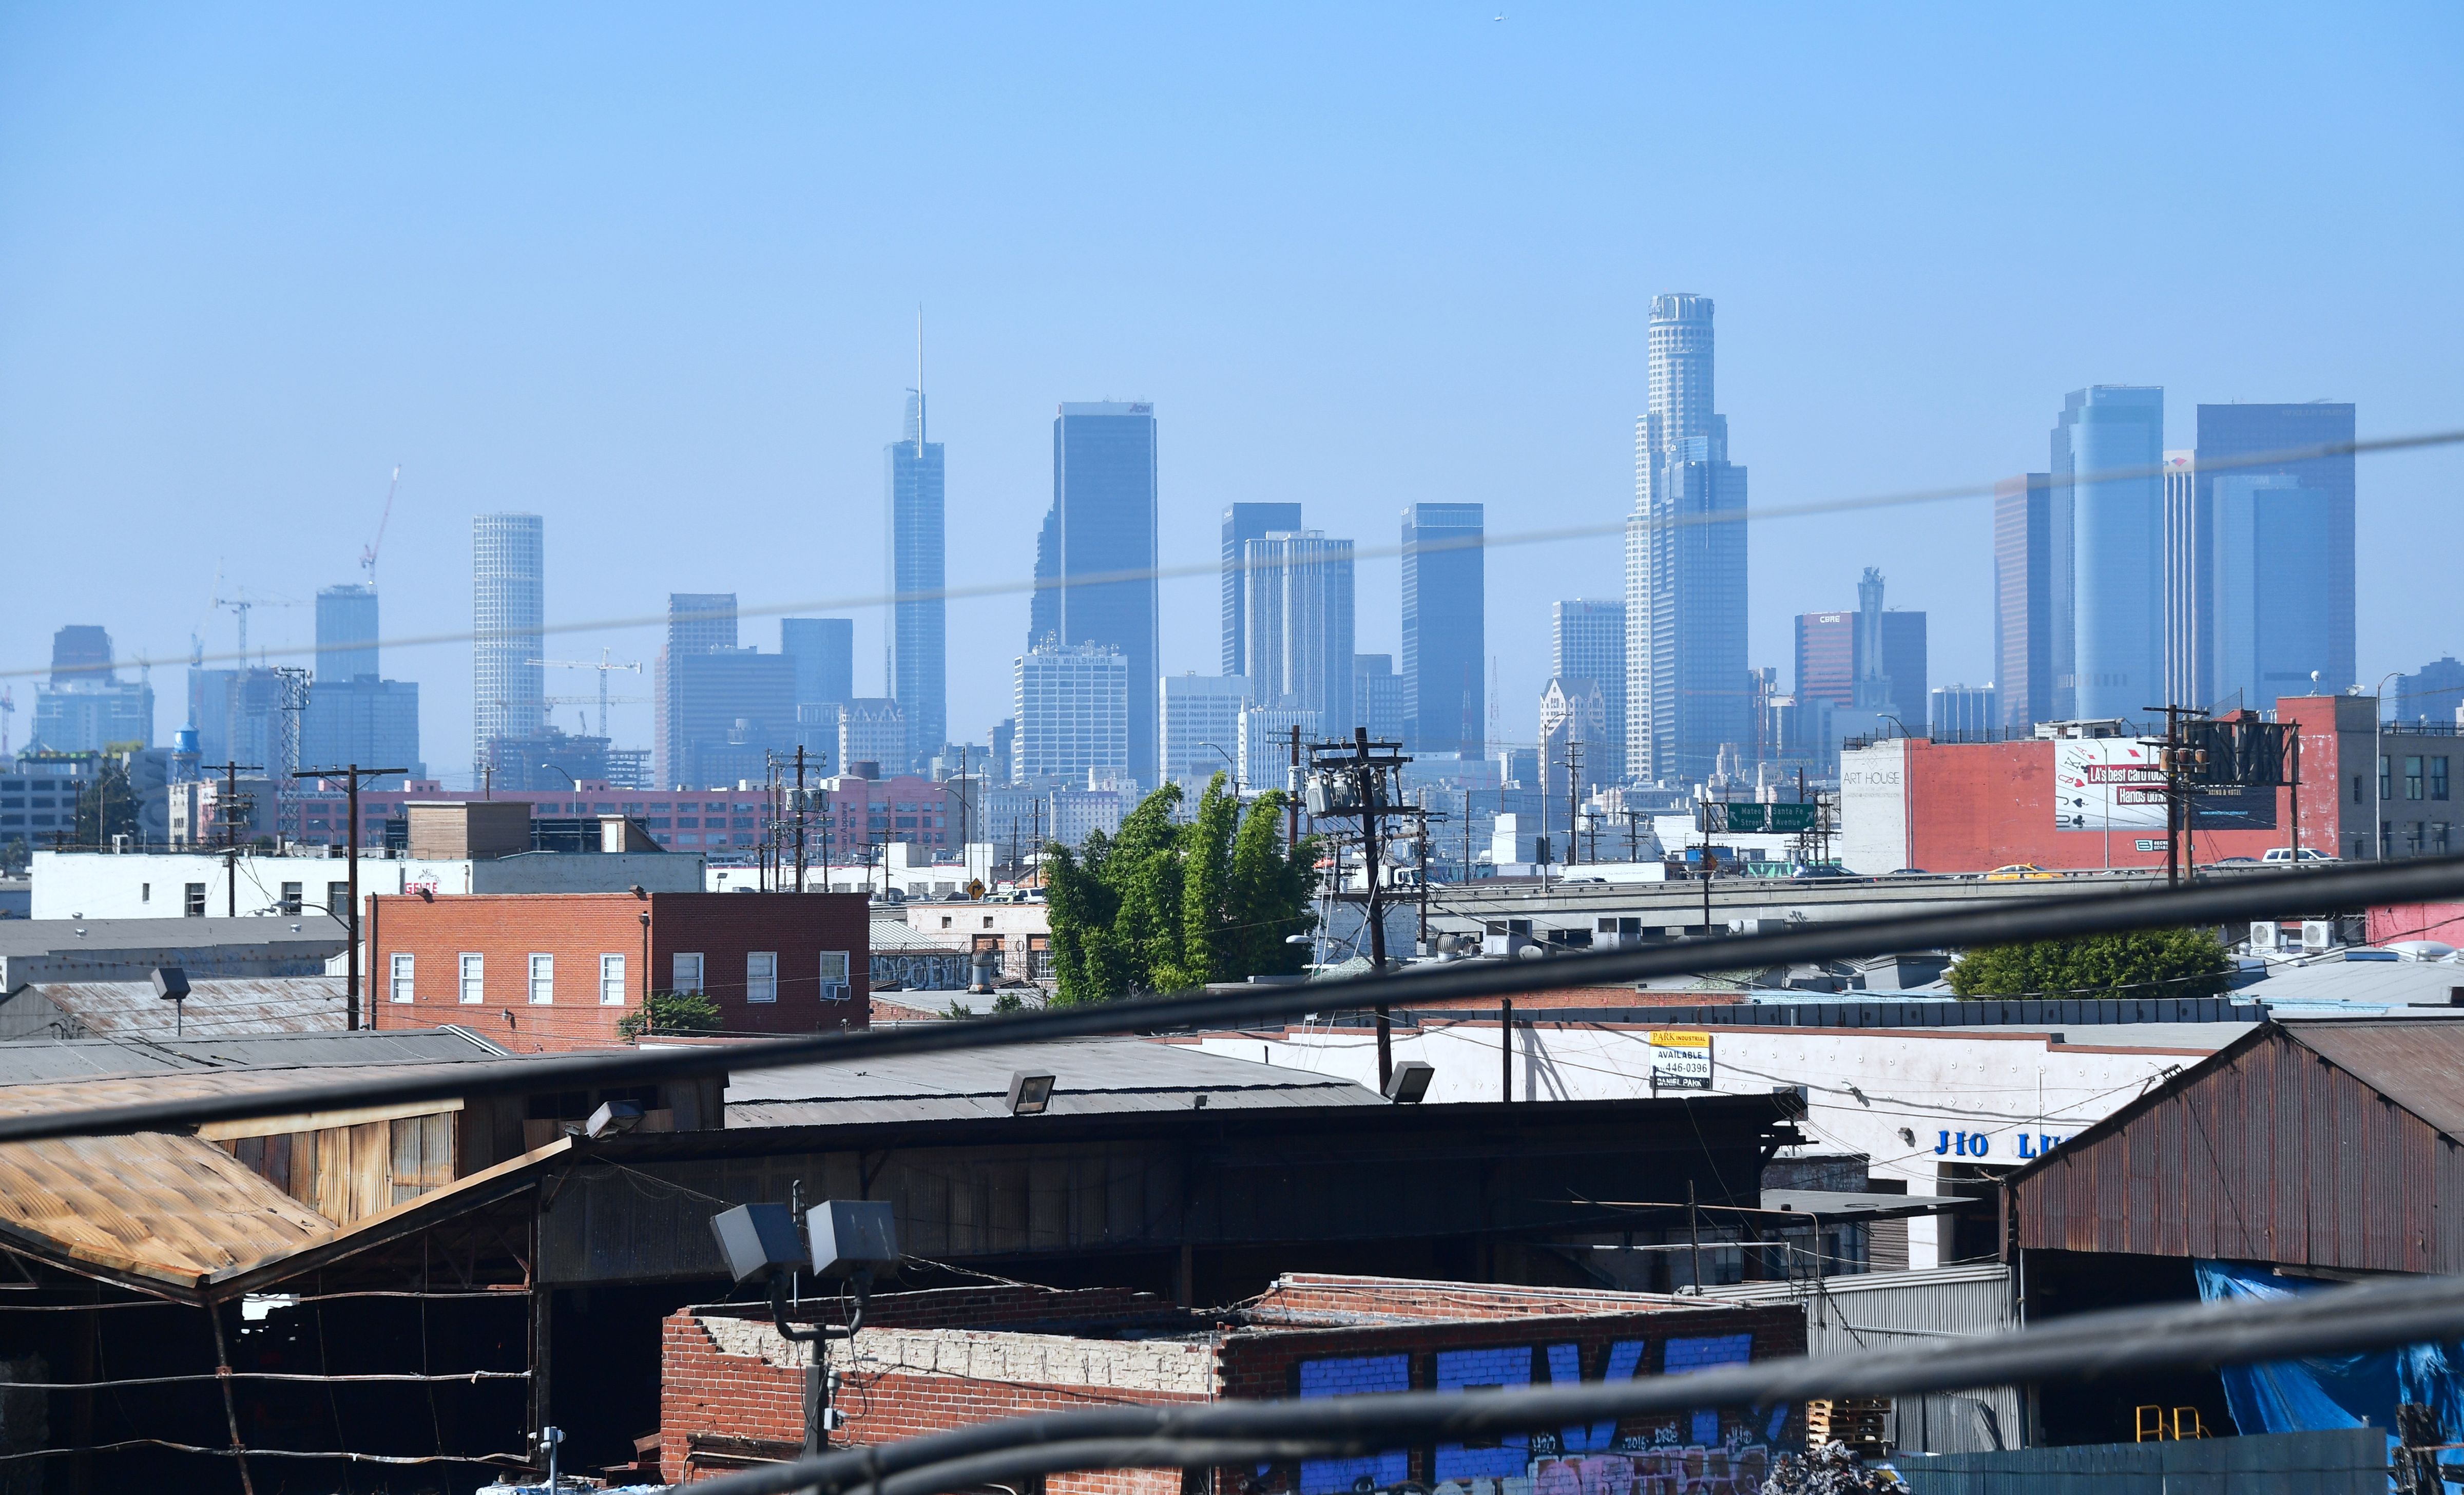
(2379, 838)
(1229, 767)
(568, 776)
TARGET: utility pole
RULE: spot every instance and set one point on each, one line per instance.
(226, 810)
(1293, 838)
(799, 817)
(1574, 798)
(1369, 772)
(2175, 764)
(351, 775)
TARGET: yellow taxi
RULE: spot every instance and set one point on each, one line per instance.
(2021, 871)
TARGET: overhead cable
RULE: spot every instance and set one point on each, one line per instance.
(2420, 880)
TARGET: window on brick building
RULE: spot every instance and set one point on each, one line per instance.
(761, 975)
(399, 977)
(475, 976)
(688, 973)
(543, 978)
(611, 981)
(834, 976)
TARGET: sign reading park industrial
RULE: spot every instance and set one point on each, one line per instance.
(1784, 820)
(1681, 1058)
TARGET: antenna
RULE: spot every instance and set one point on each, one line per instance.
(919, 379)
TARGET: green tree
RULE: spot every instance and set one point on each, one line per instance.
(669, 1012)
(2155, 962)
(1160, 906)
(106, 808)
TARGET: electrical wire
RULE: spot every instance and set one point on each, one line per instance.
(2421, 880)
(1214, 567)
(2369, 1316)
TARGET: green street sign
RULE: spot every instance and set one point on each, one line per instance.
(1784, 820)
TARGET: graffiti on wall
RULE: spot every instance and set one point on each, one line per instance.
(1709, 1451)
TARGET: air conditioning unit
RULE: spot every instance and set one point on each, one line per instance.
(2265, 935)
(2318, 934)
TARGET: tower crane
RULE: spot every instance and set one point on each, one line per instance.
(240, 605)
(368, 553)
(7, 713)
(604, 665)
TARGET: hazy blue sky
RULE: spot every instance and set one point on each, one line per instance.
(653, 273)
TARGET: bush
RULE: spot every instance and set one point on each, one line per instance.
(2156, 962)
(669, 1012)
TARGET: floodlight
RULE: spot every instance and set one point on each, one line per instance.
(758, 1238)
(1030, 1091)
(1410, 1082)
(852, 1237)
(613, 1116)
(170, 982)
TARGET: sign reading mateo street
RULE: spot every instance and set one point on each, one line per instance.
(1783, 819)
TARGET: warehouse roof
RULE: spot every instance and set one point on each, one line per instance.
(32, 1061)
(217, 1006)
(1091, 1077)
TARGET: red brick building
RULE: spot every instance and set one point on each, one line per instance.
(1972, 806)
(925, 1362)
(560, 970)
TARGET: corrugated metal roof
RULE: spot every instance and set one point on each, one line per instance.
(895, 936)
(2417, 1062)
(217, 1005)
(1093, 1076)
(32, 1061)
(2383, 983)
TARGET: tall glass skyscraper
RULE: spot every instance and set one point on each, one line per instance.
(918, 665)
(1103, 525)
(1300, 624)
(1445, 621)
(2023, 605)
(2108, 523)
(1687, 693)
(346, 632)
(509, 617)
(2275, 600)
(1244, 522)
(1587, 642)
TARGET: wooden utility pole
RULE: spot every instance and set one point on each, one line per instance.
(1369, 772)
(799, 817)
(229, 827)
(352, 774)
(1293, 839)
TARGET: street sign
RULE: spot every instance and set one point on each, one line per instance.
(1785, 820)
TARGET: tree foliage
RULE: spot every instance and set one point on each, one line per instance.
(106, 808)
(2155, 962)
(1163, 907)
(669, 1012)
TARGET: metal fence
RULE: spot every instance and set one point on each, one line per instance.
(2339, 1462)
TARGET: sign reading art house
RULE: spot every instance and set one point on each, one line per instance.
(1681, 1058)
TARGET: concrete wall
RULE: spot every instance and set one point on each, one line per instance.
(96, 885)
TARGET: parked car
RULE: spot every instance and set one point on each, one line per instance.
(1909, 871)
(2280, 856)
(2234, 861)
(2021, 872)
(1821, 870)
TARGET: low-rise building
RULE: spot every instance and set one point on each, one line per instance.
(563, 971)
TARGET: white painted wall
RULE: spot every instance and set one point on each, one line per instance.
(2010, 1089)
(1874, 808)
(148, 885)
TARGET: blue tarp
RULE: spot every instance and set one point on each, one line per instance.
(2324, 1392)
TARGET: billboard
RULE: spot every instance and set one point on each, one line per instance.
(2113, 783)
(1681, 1060)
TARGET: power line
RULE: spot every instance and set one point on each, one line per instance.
(2421, 880)
(1214, 567)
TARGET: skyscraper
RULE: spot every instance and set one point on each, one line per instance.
(824, 650)
(1201, 726)
(1872, 660)
(1072, 707)
(2189, 606)
(1587, 642)
(2281, 574)
(1686, 692)
(1299, 609)
(1244, 522)
(84, 706)
(509, 618)
(1377, 696)
(918, 665)
(2108, 533)
(720, 707)
(346, 632)
(2023, 603)
(1445, 601)
(1103, 525)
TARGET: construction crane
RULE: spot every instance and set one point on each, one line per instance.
(7, 713)
(240, 605)
(603, 666)
(368, 553)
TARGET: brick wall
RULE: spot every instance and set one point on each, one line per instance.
(930, 1361)
(577, 929)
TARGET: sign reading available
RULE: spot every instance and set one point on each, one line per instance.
(1681, 1058)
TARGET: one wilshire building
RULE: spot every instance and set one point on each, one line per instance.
(1685, 563)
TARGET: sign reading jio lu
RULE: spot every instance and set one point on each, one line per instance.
(1980, 1144)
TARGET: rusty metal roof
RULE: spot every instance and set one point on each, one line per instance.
(150, 1208)
(217, 1005)
(32, 1061)
(2417, 1062)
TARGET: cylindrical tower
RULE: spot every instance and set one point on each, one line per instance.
(1680, 364)
(509, 612)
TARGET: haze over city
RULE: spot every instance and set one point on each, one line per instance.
(657, 279)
